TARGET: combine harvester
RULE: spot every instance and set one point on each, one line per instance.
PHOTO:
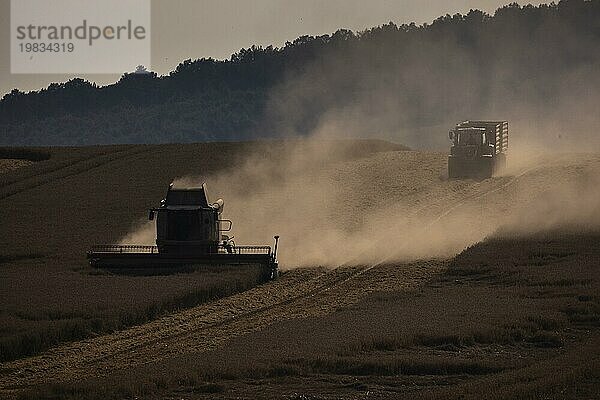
(478, 149)
(189, 232)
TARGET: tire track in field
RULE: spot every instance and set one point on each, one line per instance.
(299, 293)
(458, 200)
(514, 179)
(79, 356)
(491, 190)
(498, 186)
(66, 171)
(50, 168)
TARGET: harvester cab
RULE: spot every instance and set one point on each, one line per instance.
(186, 223)
(189, 232)
(478, 149)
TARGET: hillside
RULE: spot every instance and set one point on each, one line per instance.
(535, 66)
(397, 282)
(55, 209)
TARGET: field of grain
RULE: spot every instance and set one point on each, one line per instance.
(499, 321)
(56, 208)
(9, 164)
(373, 302)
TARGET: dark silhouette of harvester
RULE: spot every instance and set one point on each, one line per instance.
(478, 149)
(189, 232)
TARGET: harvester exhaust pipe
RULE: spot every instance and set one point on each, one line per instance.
(218, 205)
(275, 250)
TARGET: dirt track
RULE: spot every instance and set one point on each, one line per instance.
(12, 164)
(299, 293)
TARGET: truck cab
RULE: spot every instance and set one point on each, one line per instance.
(470, 142)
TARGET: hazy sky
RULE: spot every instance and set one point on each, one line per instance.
(193, 29)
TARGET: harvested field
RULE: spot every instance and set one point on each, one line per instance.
(432, 329)
(372, 300)
(10, 164)
(56, 209)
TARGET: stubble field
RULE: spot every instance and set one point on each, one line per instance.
(373, 302)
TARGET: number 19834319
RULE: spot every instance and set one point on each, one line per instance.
(64, 47)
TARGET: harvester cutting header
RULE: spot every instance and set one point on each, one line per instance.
(189, 232)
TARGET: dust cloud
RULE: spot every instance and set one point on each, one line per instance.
(334, 202)
(410, 85)
(332, 208)
(142, 233)
(564, 195)
(399, 212)
(396, 205)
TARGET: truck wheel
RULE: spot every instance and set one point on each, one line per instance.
(500, 164)
(452, 173)
(487, 167)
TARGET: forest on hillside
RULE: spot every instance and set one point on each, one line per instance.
(536, 63)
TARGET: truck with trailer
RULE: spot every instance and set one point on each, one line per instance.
(478, 149)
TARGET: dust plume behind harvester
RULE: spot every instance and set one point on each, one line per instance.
(478, 149)
(189, 232)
